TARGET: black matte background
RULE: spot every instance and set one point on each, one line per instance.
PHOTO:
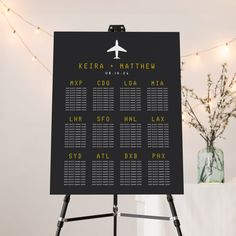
(70, 48)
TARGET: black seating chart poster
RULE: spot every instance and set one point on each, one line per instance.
(116, 113)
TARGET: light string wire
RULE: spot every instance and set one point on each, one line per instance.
(25, 45)
(39, 28)
(196, 53)
(49, 34)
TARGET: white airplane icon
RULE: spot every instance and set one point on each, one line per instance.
(116, 49)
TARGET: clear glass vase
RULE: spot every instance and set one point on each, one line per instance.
(211, 165)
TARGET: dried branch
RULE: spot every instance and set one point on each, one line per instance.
(219, 104)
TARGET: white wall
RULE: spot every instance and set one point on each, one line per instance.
(25, 100)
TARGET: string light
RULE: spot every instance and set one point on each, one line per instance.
(8, 9)
(14, 32)
(34, 58)
(227, 47)
(37, 29)
(224, 50)
(197, 56)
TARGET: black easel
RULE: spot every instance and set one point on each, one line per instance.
(115, 213)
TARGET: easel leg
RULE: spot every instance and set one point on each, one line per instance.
(115, 211)
(174, 214)
(62, 215)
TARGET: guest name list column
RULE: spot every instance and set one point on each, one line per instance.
(103, 134)
(158, 133)
(75, 133)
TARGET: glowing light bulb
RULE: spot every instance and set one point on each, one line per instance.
(37, 29)
(8, 11)
(34, 58)
(197, 56)
(224, 50)
(227, 47)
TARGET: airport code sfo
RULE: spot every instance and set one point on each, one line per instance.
(108, 83)
(125, 156)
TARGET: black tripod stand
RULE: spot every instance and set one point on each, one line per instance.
(115, 214)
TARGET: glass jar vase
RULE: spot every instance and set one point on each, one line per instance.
(210, 165)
